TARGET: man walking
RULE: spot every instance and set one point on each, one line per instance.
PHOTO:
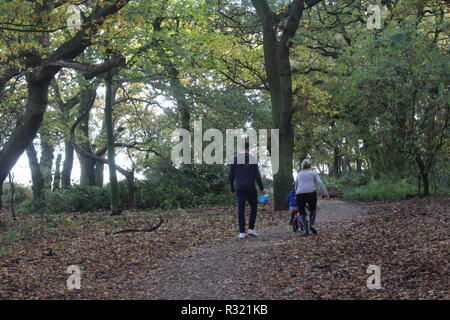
(244, 172)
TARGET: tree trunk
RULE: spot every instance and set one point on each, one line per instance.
(99, 165)
(423, 174)
(27, 127)
(335, 169)
(179, 92)
(131, 189)
(302, 155)
(87, 175)
(99, 175)
(426, 184)
(279, 77)
(109, 102)
(283, 180)
(37, 178)
(46, 161)
(67, 165)
(177, 89)
(87, 171)
(57, 176)
(13, 194)
(344, 165)
(98, 156)
(358, 165)
(418, 184)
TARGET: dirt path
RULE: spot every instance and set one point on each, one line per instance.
(220, 271)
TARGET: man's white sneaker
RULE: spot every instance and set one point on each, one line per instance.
(252, 232)
(242, 236)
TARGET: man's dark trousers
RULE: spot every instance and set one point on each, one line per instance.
(242, 197)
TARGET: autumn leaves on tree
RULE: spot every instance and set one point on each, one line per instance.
(137, 70)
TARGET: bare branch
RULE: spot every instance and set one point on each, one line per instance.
(88, 154)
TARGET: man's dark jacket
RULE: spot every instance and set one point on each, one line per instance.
(243, 175)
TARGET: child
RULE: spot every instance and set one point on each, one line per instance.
(292, 202)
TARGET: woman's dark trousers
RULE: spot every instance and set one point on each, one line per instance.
(310, 199)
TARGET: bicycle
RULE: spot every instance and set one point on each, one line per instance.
(297, 223)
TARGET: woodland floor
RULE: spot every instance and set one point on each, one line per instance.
(195, 254)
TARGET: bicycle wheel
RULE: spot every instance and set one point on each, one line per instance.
(296, 223)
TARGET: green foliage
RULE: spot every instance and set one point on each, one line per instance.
(21, 193)
(396, 94)
(388, 88)
(75, 199)
(7, 238)
(382, 190)
(187, 186)
(363, 187)
(349, 180)
(32, 206)
(440, 176)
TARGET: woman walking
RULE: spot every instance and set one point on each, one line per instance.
(305, 193)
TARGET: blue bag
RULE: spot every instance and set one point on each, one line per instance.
(264, 198)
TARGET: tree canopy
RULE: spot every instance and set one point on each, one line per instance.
(134, 71)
